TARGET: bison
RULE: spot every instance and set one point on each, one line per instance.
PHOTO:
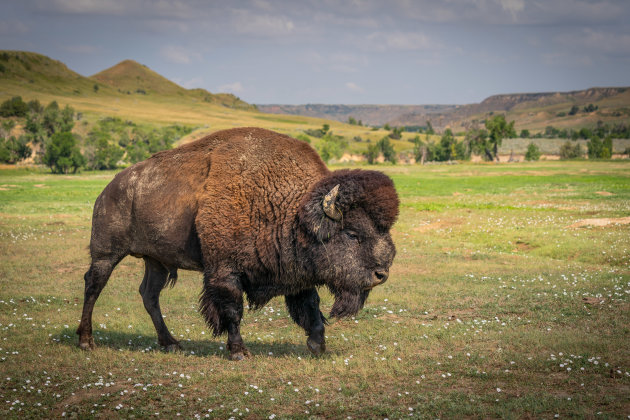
(256, 212)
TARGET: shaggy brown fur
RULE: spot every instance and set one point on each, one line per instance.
(244, 206)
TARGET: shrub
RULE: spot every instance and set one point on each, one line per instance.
(331, 146)
(14, 107)
(533, 152)
(13, 149)
(304, 138)
(570, 151)
(598, 149)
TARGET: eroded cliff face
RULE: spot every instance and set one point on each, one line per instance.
(526, 100)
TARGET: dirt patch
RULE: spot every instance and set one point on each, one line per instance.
(87, 394)
(439, 224)
(40, 186)
(604, 193)
(592, 300)
(522, 246)
(601, 222)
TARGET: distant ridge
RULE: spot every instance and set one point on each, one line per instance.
(531, 110)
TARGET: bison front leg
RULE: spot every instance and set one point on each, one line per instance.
(221, 303)
(304, 309)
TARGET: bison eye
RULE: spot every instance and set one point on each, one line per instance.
(351, 235)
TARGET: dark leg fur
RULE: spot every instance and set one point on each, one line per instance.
(95, 280)
(221, 303)
(155, 278)
(304, 309)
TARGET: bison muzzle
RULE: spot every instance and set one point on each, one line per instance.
(259, 214)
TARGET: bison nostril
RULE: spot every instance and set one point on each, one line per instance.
(381, 275)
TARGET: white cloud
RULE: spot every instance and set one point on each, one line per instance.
(12, 27)
(400, 41)
(249, 23)
(172, 9)
(178, 55)
(235, 87)
(512, 6)
(341, 62)
(354, 87)
(592, 42)
(195, 82)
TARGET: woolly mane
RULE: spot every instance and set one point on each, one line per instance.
(372, 191)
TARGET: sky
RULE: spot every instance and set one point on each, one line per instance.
(338, 51)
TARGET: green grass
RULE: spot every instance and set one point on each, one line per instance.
(483, 316)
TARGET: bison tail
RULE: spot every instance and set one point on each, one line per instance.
(172, 278)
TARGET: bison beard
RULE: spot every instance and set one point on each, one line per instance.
(260, 215)
(347, 303)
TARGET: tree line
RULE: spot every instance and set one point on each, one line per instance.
(48, 131)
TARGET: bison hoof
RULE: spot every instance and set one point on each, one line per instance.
(316, 348)
(87, 344)
(172, 348)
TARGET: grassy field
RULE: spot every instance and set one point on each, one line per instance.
(495, 307)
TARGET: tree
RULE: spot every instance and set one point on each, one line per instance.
(446, 147)
(384, 147)
(498, 129)
(598, 149)
(525, 133)
(100, 153)
(352, 121)
(63, 154)
(478, 142)
(421, 150)
(430, 128)
(396, 133)
(532, 153)
(590, 108)
(574, 110)
(387, 149)
(372, 153)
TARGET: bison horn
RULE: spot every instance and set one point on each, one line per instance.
(329, 204)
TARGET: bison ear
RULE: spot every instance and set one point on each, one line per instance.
(330, 209)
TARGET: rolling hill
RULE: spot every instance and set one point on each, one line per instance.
(132, 91)
(27, 73)
(131, 77)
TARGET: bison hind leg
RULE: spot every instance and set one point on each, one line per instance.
(156, 277)
(95, 280)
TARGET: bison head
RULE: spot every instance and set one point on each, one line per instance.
(345, 221)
